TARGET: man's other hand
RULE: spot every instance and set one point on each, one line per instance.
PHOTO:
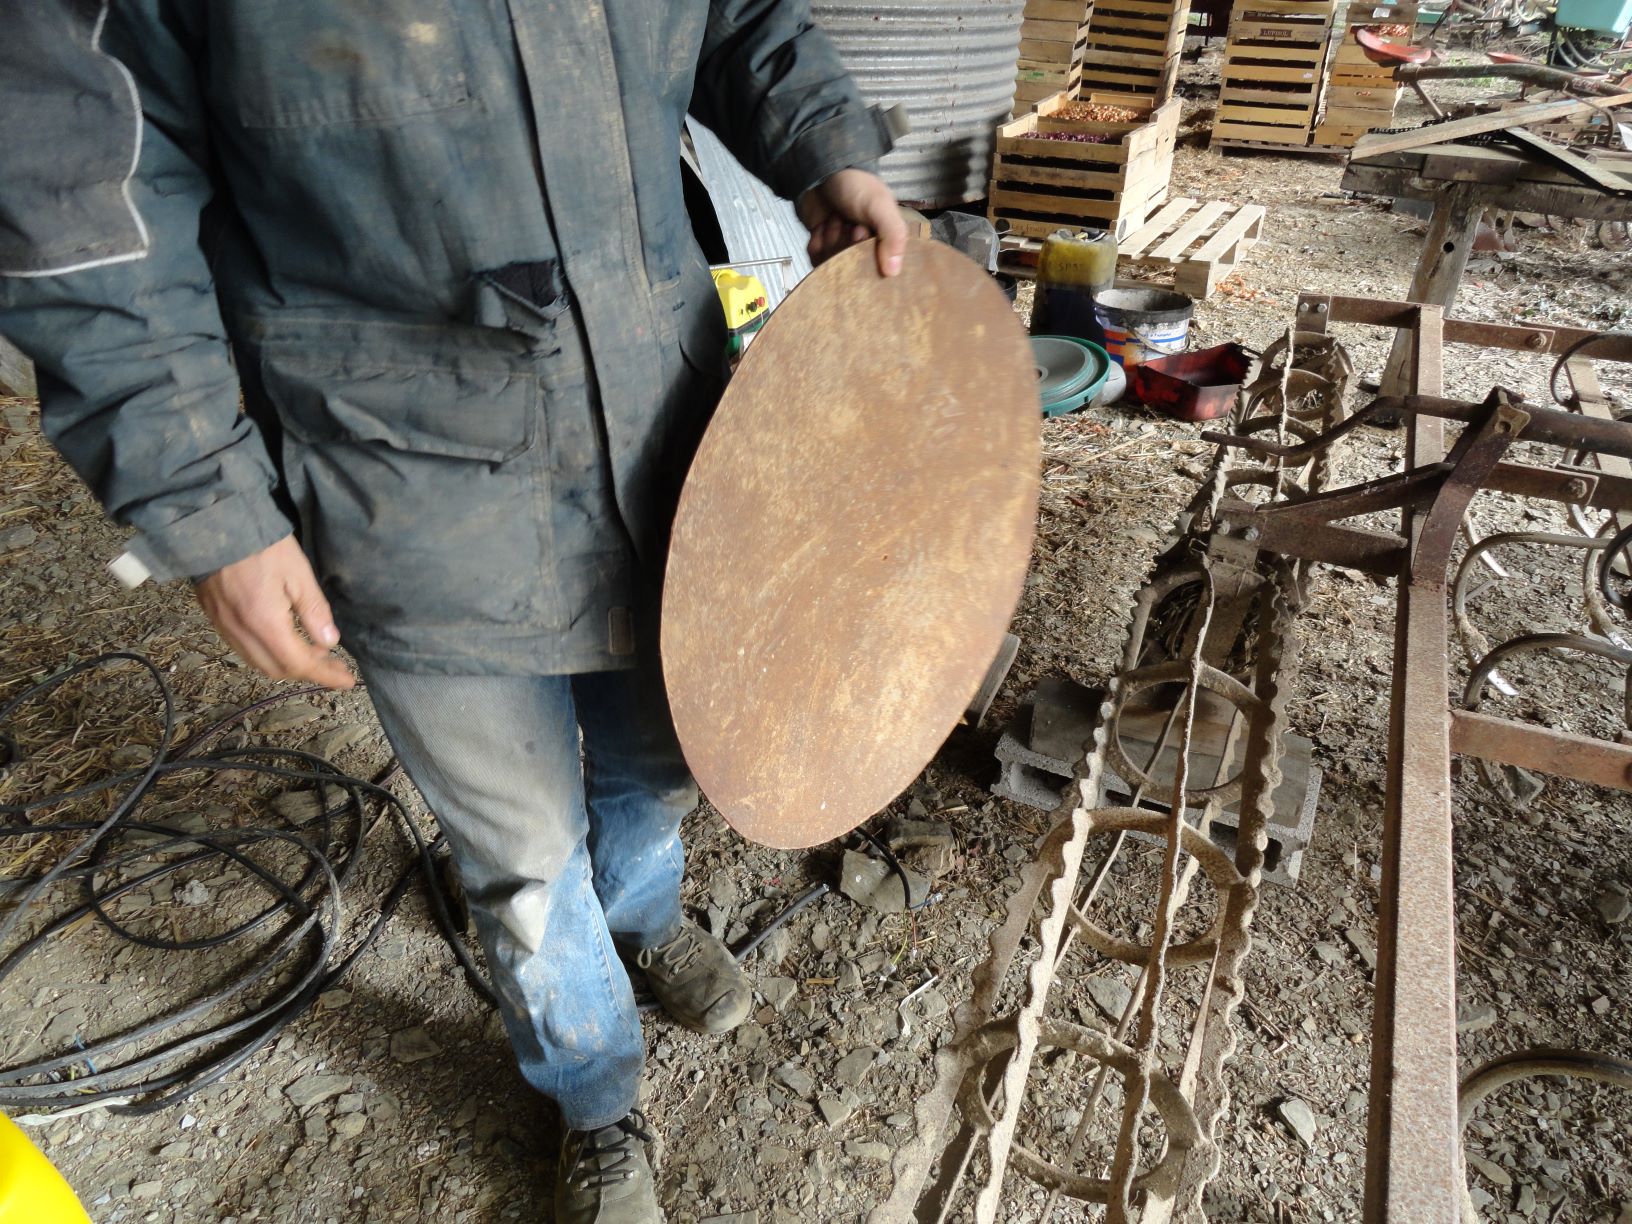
(256, 603)
(850, 207)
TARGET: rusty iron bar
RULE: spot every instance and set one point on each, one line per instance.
(1413, 1170)
(1542, 749)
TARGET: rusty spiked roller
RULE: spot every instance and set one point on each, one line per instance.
(851, 542)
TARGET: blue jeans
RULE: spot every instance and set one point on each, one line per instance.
(561, 857)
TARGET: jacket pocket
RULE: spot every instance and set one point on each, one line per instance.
(422, 488)
(320, 63)
(457, 409)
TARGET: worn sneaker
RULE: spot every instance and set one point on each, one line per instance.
(605, 1177)
(698, 981)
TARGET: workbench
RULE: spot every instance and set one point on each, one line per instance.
(1462, 180)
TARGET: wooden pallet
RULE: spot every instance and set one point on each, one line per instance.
(1041, 185)
(1200, 243)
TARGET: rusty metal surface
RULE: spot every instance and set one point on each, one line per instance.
(851, 542)
(1214, 619)
(1413, 1155)
(1217, 618)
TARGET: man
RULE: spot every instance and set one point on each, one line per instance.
(440, 247)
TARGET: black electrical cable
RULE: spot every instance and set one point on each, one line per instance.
(158, 1062)
(894, 863)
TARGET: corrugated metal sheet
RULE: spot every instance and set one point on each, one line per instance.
(757, 223)
(951, 63)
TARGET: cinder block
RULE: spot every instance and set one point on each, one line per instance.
(1038, 762)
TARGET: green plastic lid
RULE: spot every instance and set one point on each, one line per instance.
(1068, 369)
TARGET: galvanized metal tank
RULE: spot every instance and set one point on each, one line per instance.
(951, 64)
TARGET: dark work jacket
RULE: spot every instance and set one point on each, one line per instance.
(445, 240)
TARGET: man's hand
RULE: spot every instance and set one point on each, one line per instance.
(850, 207)
(254, 604)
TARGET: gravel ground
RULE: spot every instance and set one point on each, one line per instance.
(395, 1098)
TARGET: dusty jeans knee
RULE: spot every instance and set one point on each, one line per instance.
(560, 855)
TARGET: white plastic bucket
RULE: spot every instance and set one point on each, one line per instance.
(1143, 323)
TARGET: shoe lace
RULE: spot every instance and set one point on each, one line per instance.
(678, 955)
(607, 1156)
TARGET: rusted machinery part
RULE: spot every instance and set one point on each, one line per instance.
(1580, 348)
(1612, 235)
(1571, 401)
(1512, 784)
(1474, 694)
(1315, 351)
(1141, 1080)
(1474, 642)
(1049, 885)
(1617, 551)
(1049, 881)
(1599, 616)
(1150, 599)
(1277, 483)
(1214, 862)
(1533, 74)
(1306, 395)
(1174, 671)
(1276, 674)
(816, 662)
(1100, 1047)
(1505, 1069)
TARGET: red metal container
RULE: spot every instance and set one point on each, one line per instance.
(1198, 386)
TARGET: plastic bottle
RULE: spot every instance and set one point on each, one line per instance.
(1073, 267)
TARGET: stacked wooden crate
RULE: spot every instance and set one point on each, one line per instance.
(1053, 171)
(1360, 94)
(1132, 48)
(1274, 66)
(1051, 46)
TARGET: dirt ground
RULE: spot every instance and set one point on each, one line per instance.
(395, 1097)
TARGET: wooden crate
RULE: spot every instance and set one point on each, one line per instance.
(1274, 67)
(1106, 72)
(1133, 46)
(1051, 46)
(1040, 185)
(1361, 95)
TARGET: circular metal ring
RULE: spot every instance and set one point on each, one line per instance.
(1174, 671)
(1183, 1132)
(1215, 865)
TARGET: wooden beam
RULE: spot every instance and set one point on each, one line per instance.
(1475, 125)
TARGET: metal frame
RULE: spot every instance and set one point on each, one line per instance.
(1217, 616)
(1413, 1159)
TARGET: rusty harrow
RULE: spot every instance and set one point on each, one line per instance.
(1210, 641)
(1211, 656)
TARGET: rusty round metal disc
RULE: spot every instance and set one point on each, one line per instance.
(851, 542)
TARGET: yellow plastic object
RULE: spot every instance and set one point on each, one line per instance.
(743, 298)
(1082, 260)
(31, 1189)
